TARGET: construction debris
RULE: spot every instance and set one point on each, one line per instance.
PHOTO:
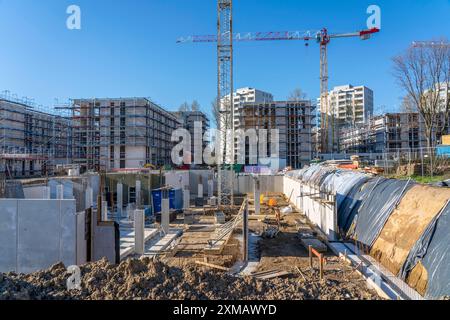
(271, 232)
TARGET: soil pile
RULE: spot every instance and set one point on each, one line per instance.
(155, 280)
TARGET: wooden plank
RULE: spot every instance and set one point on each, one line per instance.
(205, 264)
(265, 275)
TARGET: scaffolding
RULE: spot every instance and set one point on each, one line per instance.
(33, 139)
(294, 122)
(104, 130)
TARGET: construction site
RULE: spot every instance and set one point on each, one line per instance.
(92, 207)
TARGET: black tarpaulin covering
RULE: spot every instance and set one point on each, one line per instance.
(378, 201)
(349, 207)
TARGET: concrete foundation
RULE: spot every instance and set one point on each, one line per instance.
(138, 194)
(200, 190)
(60, 192)
(46, 193)
(165, 215)
(89, 198)
(119, 200)
(257, 194)
(104, 211)
(210, 188)
(186, 198)
(139, 232)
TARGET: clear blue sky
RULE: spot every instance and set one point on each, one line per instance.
(127, 47)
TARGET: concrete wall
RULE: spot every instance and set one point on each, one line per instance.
(244, 184)
(34, 192)
(177, 179)
(194, 179)
(311, 202)
(35, 234)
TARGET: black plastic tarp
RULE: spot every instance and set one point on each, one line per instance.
(433, 250)
(378, 201)
(349, 206)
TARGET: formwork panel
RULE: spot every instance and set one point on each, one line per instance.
(38, 234)
(8, 235)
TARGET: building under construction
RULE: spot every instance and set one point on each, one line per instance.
(32, 141)
(388, 133)
(110, 134)
(294, 121)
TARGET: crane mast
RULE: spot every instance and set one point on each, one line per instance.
(225, 103)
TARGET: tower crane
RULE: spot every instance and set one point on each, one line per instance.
(431, 44)
(225, 38)
(322, 37)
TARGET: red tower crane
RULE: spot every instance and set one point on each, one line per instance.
(323, 38)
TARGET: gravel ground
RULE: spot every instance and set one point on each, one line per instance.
(155, 280)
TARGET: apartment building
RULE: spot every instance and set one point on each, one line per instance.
(389, 133)
(187, 120)
(32, 141)
(240, 97)
(294, 122)
(121, 133)
(246, 95)
(350, 105)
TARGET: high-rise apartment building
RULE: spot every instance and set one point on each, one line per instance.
(349, 105)
(294, 121)
(187, 120)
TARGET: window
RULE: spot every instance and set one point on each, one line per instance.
(132, 195)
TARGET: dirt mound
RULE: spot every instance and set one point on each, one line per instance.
(155, 280)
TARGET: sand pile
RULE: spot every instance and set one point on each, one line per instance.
(155, 280)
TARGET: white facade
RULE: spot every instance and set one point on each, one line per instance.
(242, 96)
(350, 105)
(444, 96)
(247, 95)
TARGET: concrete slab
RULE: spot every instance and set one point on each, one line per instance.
(163, 243)
(127, 240)
(316, 244)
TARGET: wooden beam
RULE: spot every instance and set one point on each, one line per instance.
(205, 264)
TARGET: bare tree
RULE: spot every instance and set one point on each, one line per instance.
(407, 105)
(184, 107)
(195, 106)
(215, 113)
(422, 72)
(297, 95)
